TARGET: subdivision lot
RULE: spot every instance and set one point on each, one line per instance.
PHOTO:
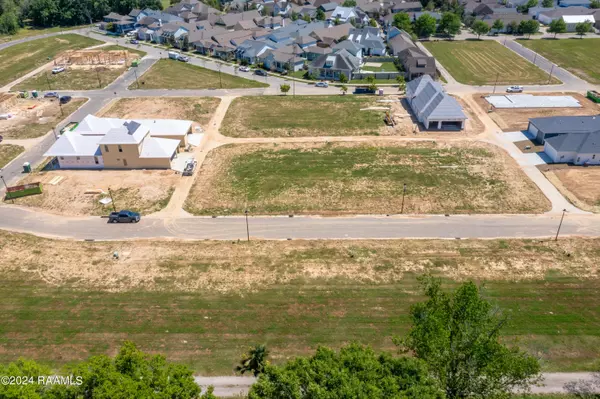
(361, 178)
(581, 185)
(302, 116)
(85, 70)
(36, 117)
(79, 191)
(28, 31)
(580, 57)
(513, 119)
(197, 109)
(20, 59)
(204, 303)
(481, 62)
(8, 152)
(171, 74)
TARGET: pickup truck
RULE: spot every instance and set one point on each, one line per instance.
(363, 90)
(123, 217)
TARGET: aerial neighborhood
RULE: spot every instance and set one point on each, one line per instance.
(272, 199)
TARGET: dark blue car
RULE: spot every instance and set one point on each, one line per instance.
(124, 217)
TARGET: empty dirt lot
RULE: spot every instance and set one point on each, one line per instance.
(511, 120)
(353, 178)
(581, 185)
(197, 109)
(144, 191)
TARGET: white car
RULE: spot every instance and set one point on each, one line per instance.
(321, 84)
(244, 69)
(57, 70)
(514, 89)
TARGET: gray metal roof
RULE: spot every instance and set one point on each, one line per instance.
(429, 101)
(587, 143)
(567, 124)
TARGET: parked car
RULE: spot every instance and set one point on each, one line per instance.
(321, 84)
(134, 41)
(51, 94)
(514, 89)
(244, 69)
(260, 72)
(189, 167)
(284, 72)
(124, 217)
(65, 99)
(363, 90)
(56, 70)
(183, 58)
(173, 55)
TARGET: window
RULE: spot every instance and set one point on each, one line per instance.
(105, 148)
(62, 158)
(594, 156)
(124, 162)
(78, 158)
(578, 158)
(120, 148)
(96, 160)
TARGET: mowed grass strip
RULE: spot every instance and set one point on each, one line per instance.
(20, 59)
(8, 152)
(171, 74)
(580, 57)
(480, 62)
(301, 116)
(204, 303)
(356, 178)
(77, 78)
(29, 31)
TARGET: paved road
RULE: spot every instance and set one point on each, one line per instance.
(234, 386)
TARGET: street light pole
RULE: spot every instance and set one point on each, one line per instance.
(220, 81)
(112, 200)
(496, 82)
(48, 81)
(550, 75)
(560, 224)
(247, 226)
(403, 195)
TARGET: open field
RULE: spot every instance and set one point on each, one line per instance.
(204, 303)
(20, 59)
(197, 109)
(581, 185)
(144, 191)
(36, 117)
(85, 73)
(480, 62)
(170, 74)
(29, 31)
(510, 120)
(287, 116)
(368, 178)
(8, 152)
(580, 57)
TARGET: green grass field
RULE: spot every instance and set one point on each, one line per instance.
(480, 62)
(170, 74)
(29, 31)
(294, 116)
(354, 178)
(77, 79)
(20, 59)
(8, 152)
(204, 303)
(580, 57)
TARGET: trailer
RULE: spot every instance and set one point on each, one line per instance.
(173, 55)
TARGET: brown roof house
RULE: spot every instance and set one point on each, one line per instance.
(415, 62)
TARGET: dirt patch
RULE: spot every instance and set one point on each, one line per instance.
(510, 120)
(581, 185)
(144, 191)
(355, 178)
(197, 109)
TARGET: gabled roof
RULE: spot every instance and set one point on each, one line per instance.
(430, 101)
(340, 60)
(335, 32)
(567, 124)
(352, 47)
(586, 143)
(329, 6)
(73, 144)
(343, 13)
(154, 147)
(128, 133)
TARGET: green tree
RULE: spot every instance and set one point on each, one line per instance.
(284, 88)
(44, 13)
(354, 372)
(294, 16)
(255, 360)
(557, 26)
(9, 22)
(430, 6)
(450, 24)
(371, 81)
(595, 4)
(343, 89)
(23, 368)
(425, 25)
(524, 8)
(343, 78)
(547, 3)
(512, 27)
(498, 25)
(529, 27)
(306, 17)
(401, 82)
(582, 28)
(320, 15)
(373, 23)
(349, 3)
(336, 21)
(458, 335)
(402, 21)
(480, 28)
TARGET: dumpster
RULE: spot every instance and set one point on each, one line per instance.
(27, 167)
(135, 63)
(594, 96)
(34, 93)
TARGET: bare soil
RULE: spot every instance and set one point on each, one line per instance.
(145, 191)
(581, 185)
(197, 109)
(510, 120)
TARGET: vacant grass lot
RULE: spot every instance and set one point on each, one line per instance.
(8, 152)
(301, 116)
(581, 185)
(384, 67)
(20, 59)
(350, 178)
(204, 303)
(581, 57)
(480, 62)
(29, 31)
(74, 78)
(170, 74)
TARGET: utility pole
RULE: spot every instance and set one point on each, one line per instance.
(247, 226)
(219, 68)
(560, 224)
(403, 194)
(550, 75)
(60, 106)
(11, 198)
(98, 76)
(496, 83)
(112, 200)
(48, 81)
(534, 58)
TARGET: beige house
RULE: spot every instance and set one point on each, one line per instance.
(98, 143)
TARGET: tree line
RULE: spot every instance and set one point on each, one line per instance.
(14, 14)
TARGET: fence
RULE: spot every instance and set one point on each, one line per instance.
(379, 59)
(377, 75)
